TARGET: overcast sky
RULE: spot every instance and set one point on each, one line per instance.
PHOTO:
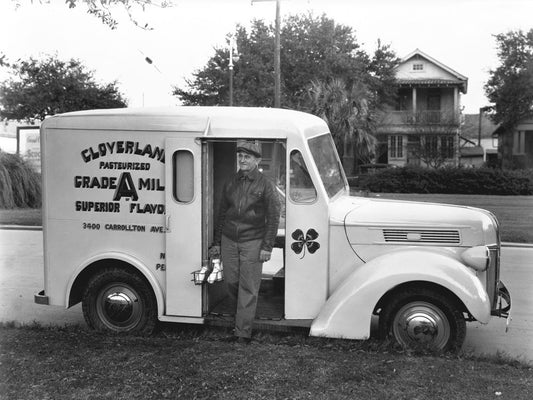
(458, 33)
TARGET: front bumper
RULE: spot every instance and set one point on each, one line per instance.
(503, 304)
(41, 298)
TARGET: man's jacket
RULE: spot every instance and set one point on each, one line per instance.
(249, 210)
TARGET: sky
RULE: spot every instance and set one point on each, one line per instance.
(457, 33)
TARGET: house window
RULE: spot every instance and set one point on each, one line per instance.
(431, 144)
(418, 67)
(447, 146)
(519, 142)
(396, 146)
(402, 101)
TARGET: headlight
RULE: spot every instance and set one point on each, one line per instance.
(477, 258)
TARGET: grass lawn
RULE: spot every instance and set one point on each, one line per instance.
(194, 363)
(515, 213)
(21, 216)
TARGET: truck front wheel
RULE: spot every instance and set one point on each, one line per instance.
(119, 301)
(423, 320)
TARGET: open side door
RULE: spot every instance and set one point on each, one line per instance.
(184, 223)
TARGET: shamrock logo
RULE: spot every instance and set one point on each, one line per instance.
(302, 242)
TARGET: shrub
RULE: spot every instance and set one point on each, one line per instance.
(447, 181)
(20, 185)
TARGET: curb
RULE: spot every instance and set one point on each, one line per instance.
(21, 228)
(518, 245)
(40, 228)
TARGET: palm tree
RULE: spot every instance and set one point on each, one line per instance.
(346, 110)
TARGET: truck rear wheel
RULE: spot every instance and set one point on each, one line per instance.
(118, 301)
(423, 320)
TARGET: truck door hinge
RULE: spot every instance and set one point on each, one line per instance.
(167, 222)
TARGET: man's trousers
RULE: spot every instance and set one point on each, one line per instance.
(242, 274)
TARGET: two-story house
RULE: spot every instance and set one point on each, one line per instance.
(423, 128)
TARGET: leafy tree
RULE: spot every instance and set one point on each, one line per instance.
(510, 86)
(102, 9)
(312, 49)
(346, 110)
(39, 88)
(253, 79)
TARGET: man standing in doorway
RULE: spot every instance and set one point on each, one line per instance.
(245, 232)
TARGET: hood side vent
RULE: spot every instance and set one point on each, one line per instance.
(437, 236)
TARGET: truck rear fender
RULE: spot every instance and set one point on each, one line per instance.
(348, 311)
(83, 273)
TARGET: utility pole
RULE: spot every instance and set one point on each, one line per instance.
(277, 68)
(230, 66)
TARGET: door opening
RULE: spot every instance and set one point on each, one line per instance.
(220, 161)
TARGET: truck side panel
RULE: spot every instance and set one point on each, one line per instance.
(103, 192)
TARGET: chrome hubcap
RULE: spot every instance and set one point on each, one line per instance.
(421, 324)
(119, 307)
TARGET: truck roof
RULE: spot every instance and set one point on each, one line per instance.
(225, 122)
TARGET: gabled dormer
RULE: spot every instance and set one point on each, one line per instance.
(419, 69)
(428, 90)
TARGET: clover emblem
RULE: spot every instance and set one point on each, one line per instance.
(301, 241)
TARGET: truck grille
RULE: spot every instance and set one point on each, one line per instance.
(435, 236)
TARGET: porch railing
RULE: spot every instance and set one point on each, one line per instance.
(426, 117)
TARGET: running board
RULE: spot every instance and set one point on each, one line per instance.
(181, 320)
(275, 325)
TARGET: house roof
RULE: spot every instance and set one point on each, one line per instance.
(456, 79)
(429, 82)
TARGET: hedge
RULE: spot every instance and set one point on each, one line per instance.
(447, 181)
(20, 185)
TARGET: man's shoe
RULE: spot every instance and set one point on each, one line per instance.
(230, 339)
(244, 340)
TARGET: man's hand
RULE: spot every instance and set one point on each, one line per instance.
(264, 255)
(214, 252)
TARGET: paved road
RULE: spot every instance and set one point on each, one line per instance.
(21, 275)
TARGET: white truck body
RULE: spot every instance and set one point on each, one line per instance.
(136, 190)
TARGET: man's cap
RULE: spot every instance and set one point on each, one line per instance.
(250, 147)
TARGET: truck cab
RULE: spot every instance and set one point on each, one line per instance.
(130, 200)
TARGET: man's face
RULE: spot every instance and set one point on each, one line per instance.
(247, 162)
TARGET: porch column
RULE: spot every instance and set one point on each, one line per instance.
(456, 105)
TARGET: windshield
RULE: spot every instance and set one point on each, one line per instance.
(328, 164)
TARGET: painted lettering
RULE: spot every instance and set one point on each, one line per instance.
(97, 206)
(136, 166)
(85, 155)
(147, 208)
(125, 227)
(125, 188)
(87, 182)
(121, 147)
(150, 184)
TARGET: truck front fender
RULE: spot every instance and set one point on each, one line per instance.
(132, 261)
(348, 311)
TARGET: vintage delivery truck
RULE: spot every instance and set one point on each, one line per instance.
(129, 204)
